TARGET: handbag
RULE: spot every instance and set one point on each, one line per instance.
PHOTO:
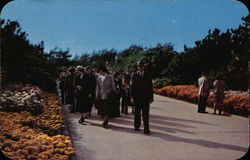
(97, 103)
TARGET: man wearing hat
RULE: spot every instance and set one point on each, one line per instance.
(142, 96)
(91, 88)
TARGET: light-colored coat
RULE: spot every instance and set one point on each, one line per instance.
(204, 86)
(105, 84)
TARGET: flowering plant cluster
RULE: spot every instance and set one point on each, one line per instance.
(51, 120)
(236, 102)
(17, 98)
(29, 135)
(183, 92)
(24, 143)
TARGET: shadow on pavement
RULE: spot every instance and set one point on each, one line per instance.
(200, 142)
(153, 125)
(168, 137)
(152, 116)
(158, 125)
(165, 136)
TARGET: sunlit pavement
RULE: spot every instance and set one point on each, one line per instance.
(178, 132)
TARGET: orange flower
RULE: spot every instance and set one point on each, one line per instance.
(237, 100)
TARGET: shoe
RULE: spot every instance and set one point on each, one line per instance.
(105, 124)
(147, 132)
(137, 129)
(81, 120)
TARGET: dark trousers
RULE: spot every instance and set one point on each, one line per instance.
(124, 106)
(202, 103)
(141, 107)
(69, 100)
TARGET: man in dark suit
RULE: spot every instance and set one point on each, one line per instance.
(90, 84)
(142, 96)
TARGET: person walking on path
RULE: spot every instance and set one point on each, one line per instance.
(126, 87)
(125, 99)
(62, 89)
(203, 93)
(219, 95)
(82, 94)
(69, 88)
(90, 84)
(142, 96)
(104, 89)
(117, 96)
(62, 77)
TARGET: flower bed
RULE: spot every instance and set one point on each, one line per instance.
(24, 136)
(51, 120)
(19, 98)
(236, 102)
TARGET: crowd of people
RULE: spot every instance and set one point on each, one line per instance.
(111, 93)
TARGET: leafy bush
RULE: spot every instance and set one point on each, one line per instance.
(161, 82)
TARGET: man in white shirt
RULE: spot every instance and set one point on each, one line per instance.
(203, 93)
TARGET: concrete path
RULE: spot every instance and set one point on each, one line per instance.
(178, 132)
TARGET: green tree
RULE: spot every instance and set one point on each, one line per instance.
(23, 62)
(17, 54)
(160, 57)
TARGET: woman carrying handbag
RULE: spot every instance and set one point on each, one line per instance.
(105, 86)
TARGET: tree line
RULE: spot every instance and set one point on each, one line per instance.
(218, 52)
(24, 62)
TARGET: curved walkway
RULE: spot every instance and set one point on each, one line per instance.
(178, 132)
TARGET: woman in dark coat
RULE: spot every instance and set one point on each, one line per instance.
(81, 93)
(117, 96)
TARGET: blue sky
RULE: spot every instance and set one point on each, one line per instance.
(87, 25)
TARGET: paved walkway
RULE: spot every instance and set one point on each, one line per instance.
(178, 132)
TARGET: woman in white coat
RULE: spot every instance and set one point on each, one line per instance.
(105, 87)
